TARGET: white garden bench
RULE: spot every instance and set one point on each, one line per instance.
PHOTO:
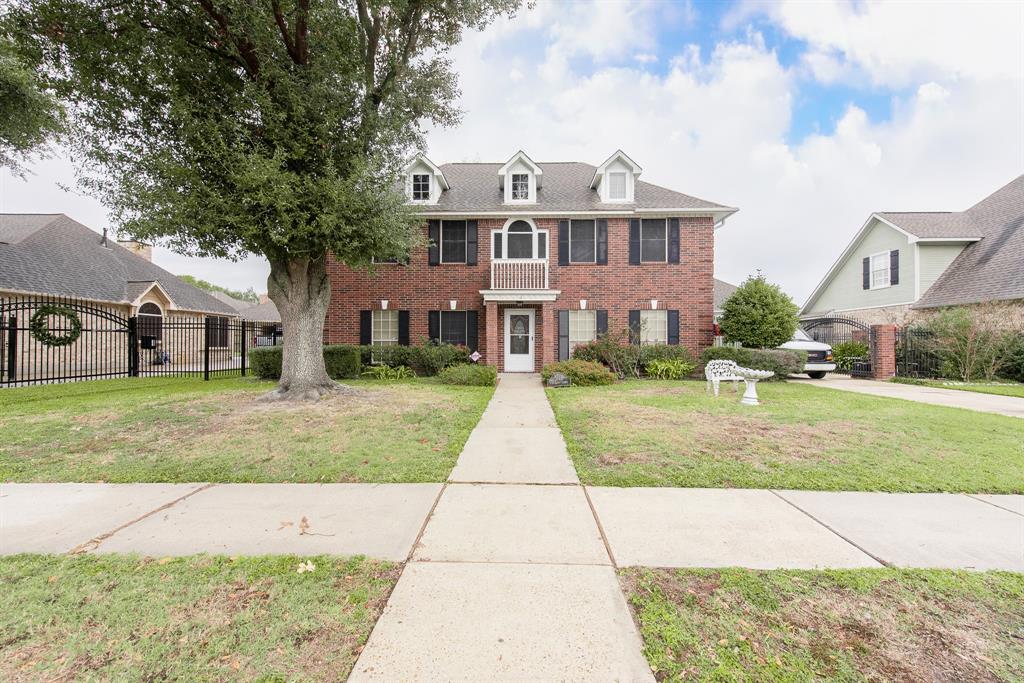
(722, 370)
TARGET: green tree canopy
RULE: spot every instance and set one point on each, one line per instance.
(28, 114)
(228, 127)
(249, 295)
(759, 315)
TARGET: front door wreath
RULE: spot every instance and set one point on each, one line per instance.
(39, 325)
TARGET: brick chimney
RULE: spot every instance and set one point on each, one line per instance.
(264, 298)
(138, 248)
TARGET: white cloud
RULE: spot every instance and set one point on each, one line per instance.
(645, 57)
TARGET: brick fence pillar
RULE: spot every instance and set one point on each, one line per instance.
(883, 352)
(547, 354)
(491, 322)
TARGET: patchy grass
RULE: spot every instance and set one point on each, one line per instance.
(999, 388)
(197, 618)
(184, 430)
(855, 625)
(651, 433)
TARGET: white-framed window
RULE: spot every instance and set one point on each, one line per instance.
(453, 241)
(384, 328)
(454, 328)
(654, 240)
(583, 241)
(582, 328)
(520, 239)
(879, 268)
(654, 327)
(617, 185)
(420, 187)
(520, 186)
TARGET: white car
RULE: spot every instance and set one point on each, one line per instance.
(819, 355)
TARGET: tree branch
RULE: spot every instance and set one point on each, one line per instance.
(246, 50)
(282, 25)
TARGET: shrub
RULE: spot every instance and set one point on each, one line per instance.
(759, 315)
(341, 360)
(783, 362)
(582, 373)
(669, 368)
(469, 375)
(613, 351)
(740, 355)
(386, 372)
(972, 341)
(426, 360)
(1013, 360)
(656, 352)
(844, 353)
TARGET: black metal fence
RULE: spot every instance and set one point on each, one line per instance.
(916, 355)
(51, 339)
(835, 330)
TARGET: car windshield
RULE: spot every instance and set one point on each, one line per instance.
(800, 335)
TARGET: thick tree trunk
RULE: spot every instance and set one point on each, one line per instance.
(301, 290)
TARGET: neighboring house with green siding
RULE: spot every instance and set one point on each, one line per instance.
(902, 262)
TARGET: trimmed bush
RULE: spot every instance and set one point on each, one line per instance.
(341, 360)
(582, 373)
(426, 360)
(613, 351)
(740, 355)
(469, 375)
(656, 352)
(782, 362)
(669, 368)
(845, 353)
(759, 315)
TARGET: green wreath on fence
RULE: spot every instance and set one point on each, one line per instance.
(40, 327)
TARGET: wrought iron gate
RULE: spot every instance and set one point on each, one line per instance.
(835, 330)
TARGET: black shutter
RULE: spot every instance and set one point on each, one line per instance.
(894, 267)
(634, 327)
(471, 243)
(867, 272)
(673, 240)
(563, 243)
(434, 250)
(634, 242)
(497, 245)
(472, 330)
(602, 322)
(403, 328)
(673, 327)
(602, 241)
(563, 335)
(434, 326)
(365, 327)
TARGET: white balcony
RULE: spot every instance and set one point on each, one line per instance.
(519, 274)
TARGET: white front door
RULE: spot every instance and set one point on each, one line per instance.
(519, 339)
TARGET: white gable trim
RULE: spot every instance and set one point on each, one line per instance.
(535, 170)
(619, 154)
(156, 284)
(434, 168)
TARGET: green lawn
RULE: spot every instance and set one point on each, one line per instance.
(184, 430)
(858, 625)
(651, 433)
(198, 618)
(1000, 389)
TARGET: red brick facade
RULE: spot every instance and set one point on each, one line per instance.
(617, 287)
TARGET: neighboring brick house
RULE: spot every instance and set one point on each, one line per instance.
(526, 260)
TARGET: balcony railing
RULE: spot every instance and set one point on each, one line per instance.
(526, 273)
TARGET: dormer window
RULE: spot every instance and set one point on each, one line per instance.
(617, 185)
(616, 179)
(420, 187)
(520, 186)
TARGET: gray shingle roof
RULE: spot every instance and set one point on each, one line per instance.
(53, 254)
(723, 290)
(991, 269)
(943, 224)
(231, 301)
(265, 312)
(565, 187)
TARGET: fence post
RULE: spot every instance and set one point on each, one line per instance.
(206, 349)
(133, 347)
(12, 348)
(883, 352)
(244, 343)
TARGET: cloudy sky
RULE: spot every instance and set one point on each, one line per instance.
(807, 116)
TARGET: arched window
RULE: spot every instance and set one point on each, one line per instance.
(520, 239)
(151, 321)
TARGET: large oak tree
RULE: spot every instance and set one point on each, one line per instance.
(277, 127)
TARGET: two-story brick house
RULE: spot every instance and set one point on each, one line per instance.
(526, 260)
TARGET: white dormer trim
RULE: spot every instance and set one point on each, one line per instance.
(421, 165)
(617, 163)
(519, 163)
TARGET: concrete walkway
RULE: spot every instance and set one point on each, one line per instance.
(951, 398)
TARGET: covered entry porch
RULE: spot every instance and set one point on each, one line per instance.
(520, 328)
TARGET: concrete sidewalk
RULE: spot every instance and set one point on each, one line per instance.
(951, 398)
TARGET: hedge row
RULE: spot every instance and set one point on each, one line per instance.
(346, 361)
(783, 362)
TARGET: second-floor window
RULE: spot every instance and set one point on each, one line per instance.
(420, 187)
(617, 185)
(880, 270)
(520, 186)
(582, 242)
(653, 240)
(453, 241)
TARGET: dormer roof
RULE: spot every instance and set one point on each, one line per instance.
(519, 156)
(421, 158)
(617, 156)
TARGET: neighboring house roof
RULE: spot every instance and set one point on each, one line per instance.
(231, 301)
(473, 188)
(266, 312)
(991, 269)
(933, 224)
(723, 290)
(55, 255)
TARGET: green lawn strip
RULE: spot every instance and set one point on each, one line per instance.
(1001, 389)
(853, 625)
(200, 618)
(660, 433)
(185, 430)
